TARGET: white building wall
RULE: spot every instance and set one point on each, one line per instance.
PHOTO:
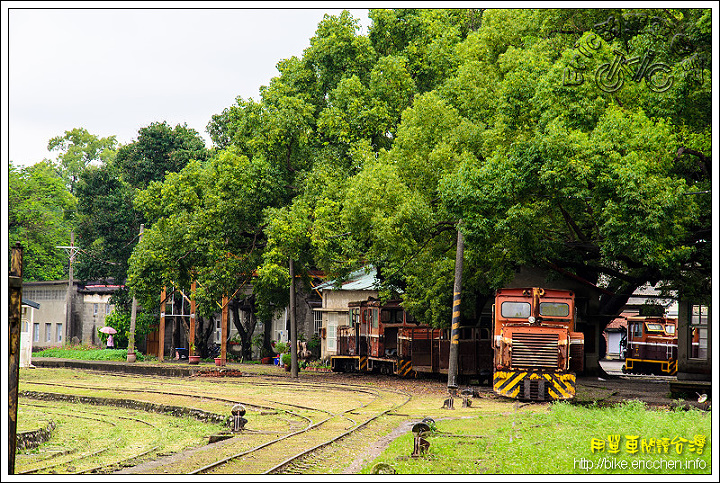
(26, 336)
(335, 314)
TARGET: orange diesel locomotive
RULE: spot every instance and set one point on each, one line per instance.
(652, 346)
(537, 350)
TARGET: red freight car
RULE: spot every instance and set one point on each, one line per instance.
(383, 338)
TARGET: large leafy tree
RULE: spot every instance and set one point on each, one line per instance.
(379, 149)
(610, 187)
(40, 218)
(107, 225)
(158, 149)
(77, 149)
(206, 226)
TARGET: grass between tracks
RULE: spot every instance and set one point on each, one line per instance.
(82, 429)
(564, 439)
(491, 437)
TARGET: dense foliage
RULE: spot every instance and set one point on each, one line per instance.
(40, 217)
(577, 141)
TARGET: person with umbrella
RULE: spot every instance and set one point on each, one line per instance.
(109, 331)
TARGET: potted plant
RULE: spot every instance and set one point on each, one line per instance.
(286, 359)
(219, 361)
(193, 358)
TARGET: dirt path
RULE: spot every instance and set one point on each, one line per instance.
(376, 448)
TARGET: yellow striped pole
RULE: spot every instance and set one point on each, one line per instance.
(455, 325)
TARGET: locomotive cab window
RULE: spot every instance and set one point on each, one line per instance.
(655, 328)
(636, 330)
(554, 309)
(670, 329)
(520, 310)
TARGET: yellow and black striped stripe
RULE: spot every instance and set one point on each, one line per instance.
(404, 368)
(511, 383)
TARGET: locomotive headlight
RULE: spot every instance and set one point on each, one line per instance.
(531, 319)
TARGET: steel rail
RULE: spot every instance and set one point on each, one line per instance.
(276, 469)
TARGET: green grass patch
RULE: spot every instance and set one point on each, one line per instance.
(565, 439)
(87, 353)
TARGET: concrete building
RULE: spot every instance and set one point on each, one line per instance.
(90, 305)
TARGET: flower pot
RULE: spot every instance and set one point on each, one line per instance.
(131, 357)
(193, 359)
(219, 361)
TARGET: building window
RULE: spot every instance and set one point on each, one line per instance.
(36, 332)
(95, 309)
(59, 333)
(218, 331)
(48, 331)
(699, 331)
(108, 308)
(317, 321)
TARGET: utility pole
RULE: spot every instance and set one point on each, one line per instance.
(133, 313)
(455, 331)
(14, 316)
(293, 325)
(72, 251)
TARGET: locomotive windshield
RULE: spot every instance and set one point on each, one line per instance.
(515, 309)
(655, 327)
(554, 309)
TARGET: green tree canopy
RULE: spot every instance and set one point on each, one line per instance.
(107, 226)
(40, 212)
(77, 149)
(159, 149)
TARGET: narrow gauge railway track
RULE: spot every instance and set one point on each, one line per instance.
(83, 460)
(269, 455)
(279, 458)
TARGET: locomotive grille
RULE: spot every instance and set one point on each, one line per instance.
(535, 350)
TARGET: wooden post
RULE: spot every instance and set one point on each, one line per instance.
(191, 335)
(224, 330)
(161, 329)
(14, 316)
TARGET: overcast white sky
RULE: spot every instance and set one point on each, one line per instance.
(116, 70)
